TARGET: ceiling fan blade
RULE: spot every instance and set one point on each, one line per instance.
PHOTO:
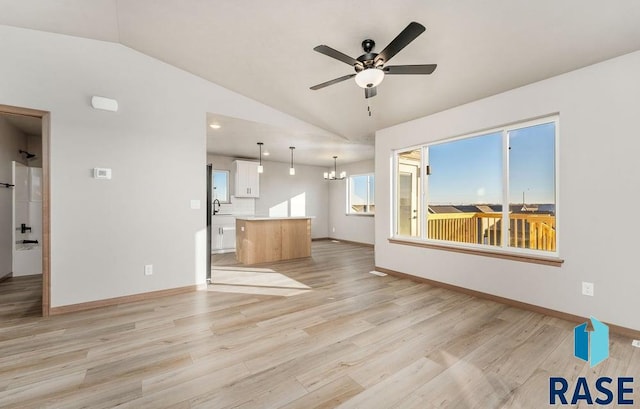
(330, 52)
(403, 39)
(410, 69)
(370, 92)
(333, 81)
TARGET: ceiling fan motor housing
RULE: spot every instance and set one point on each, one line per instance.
(368, 45)
(368, 58)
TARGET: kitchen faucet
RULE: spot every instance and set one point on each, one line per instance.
(216, 201)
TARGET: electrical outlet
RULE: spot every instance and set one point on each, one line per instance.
(587, 288)
(333, 230)
(636, 343)
(148, 269)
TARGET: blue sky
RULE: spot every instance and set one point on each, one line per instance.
(469, 171)
(532, 164)
(359, 189)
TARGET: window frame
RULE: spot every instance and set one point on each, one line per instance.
(228, 183)
(504, 250)
(348, 211)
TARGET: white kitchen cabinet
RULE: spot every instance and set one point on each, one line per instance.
(223, 234)
(228, 237)
(247, 179)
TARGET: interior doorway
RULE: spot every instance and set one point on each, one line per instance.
(25, 226)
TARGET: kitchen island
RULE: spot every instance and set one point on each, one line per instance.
(265, 239)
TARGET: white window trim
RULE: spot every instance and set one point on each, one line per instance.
(504, 248)
(348, 211)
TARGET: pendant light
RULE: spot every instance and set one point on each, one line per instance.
(260, 167)
(292, 170)
(333, 174)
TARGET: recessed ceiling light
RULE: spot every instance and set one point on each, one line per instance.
(215, 126)
(265, 153)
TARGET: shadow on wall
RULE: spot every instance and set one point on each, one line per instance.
(201, 253)
(294, 207)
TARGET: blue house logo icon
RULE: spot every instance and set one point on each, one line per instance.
(591, 344)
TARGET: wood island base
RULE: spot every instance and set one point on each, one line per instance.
(261, 240)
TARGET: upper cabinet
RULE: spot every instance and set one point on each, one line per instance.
(247, 179)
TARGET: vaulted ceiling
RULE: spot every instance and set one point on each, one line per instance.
(264, 49)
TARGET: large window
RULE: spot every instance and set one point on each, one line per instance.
(360, 194)
(496, 189)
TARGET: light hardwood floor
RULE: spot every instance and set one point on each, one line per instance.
(319, 332)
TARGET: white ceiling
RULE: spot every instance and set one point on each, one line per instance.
(28, 125)
(264, 49)
(239, 138)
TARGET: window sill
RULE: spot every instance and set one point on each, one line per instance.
(360, 214)
(527, 258)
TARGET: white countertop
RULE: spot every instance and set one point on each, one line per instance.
(258, 218)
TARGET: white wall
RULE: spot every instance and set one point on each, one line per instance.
(360, 229)
(34, 145)
(305, 194)
(11, 141)
(104, 232)
(599, 179)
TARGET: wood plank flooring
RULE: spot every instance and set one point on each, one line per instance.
(320, 332)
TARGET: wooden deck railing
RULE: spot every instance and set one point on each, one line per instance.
(532, 231)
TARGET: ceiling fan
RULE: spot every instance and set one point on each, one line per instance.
(370, 67)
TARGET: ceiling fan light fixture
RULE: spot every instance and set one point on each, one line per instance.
(369, 78)
(371, 68)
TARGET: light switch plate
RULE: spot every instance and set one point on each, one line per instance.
(195, 204)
